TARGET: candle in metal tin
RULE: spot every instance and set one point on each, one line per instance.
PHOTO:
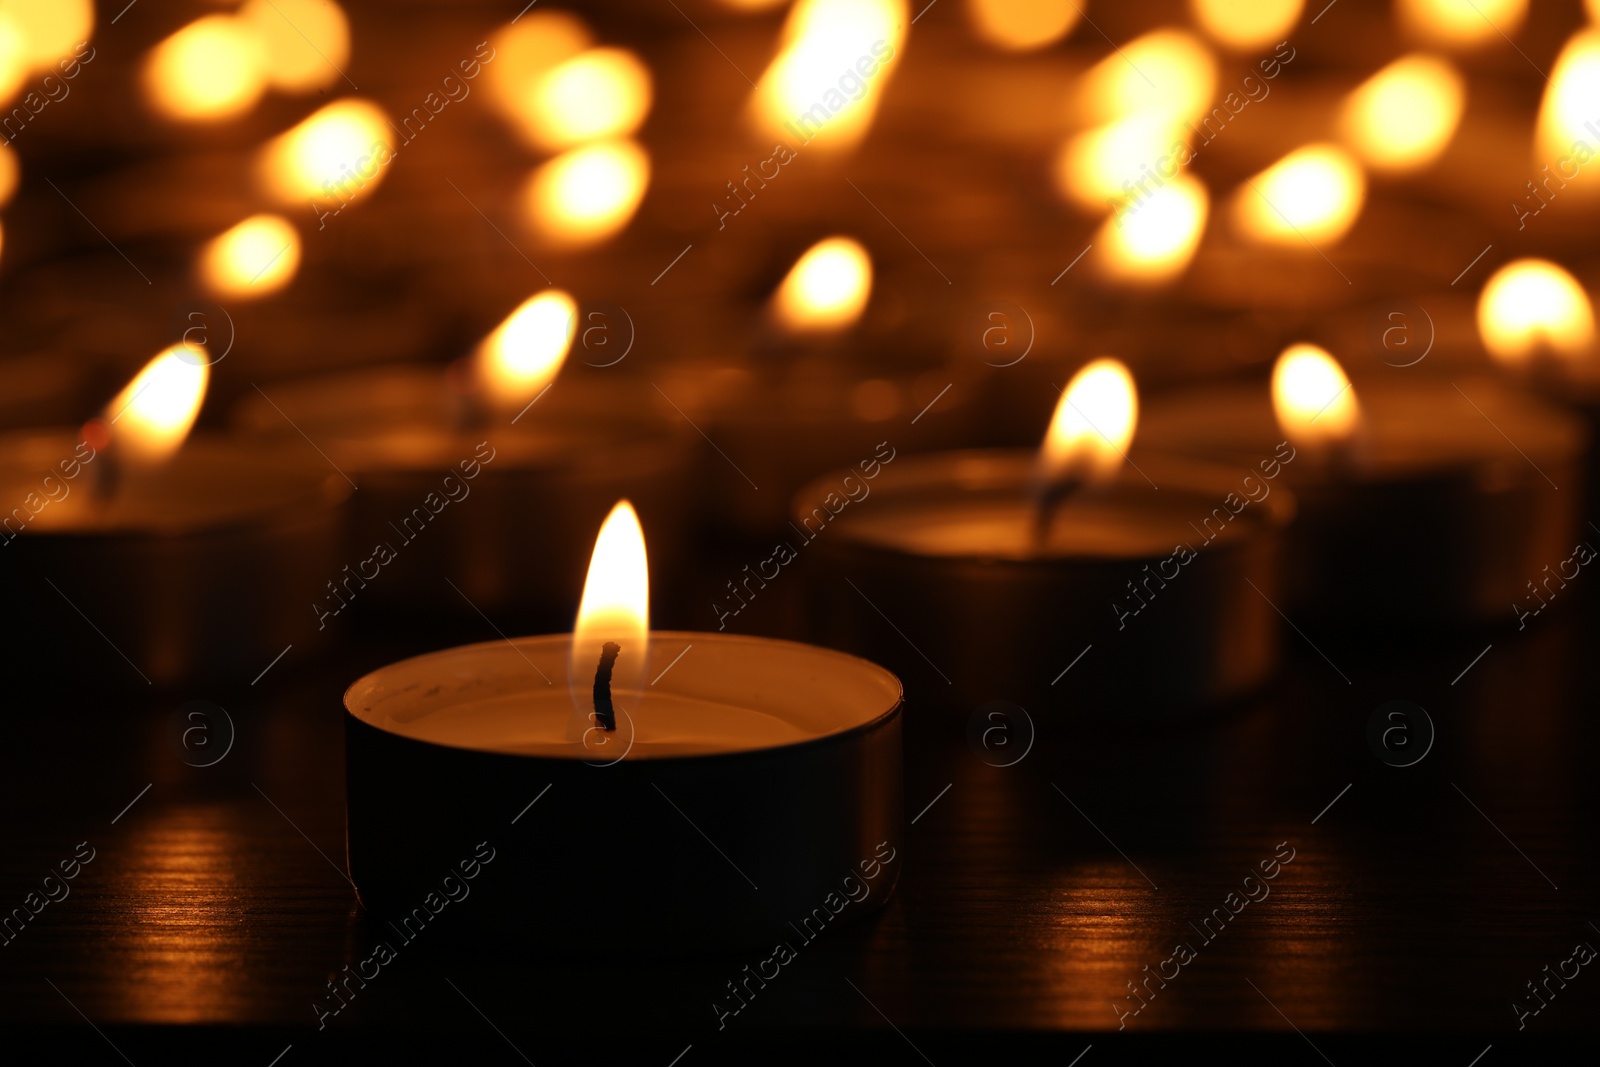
(477, 488)
(647, 792)
(1423, 502)
(190, 558)
(989, 575)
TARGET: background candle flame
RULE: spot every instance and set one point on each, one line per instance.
(1313, 400)
(588, 194)
(1312, 194)
(46, 30)
(1168, 72)
(1461, 24)
(827, 288)
(1022, 25)
(1102, 164)
(1093, 425)
(1572, 99)
(212, 69)
(154, 412)
(1531, 306)
(601, 93)
(306, 43)
(335, 154)
(524, 52)
(1403, 117)
(1152, 241)
(1243, 25)
(615, 607)
(525, 352)
(258, 256)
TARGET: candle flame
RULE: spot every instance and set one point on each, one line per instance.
(258, 256)
(826, 289)
(524, 52)
(1243, 25)
(615, 607)
(1314, 402)
(1152, 240)
(1103, 164)
(212, 69)
(525, 352)
(306, 42)
(588, 194)
(154, 412)
(604, 92)
(1093, 425)
(1167, 72)
(1312, 194)
(830, 71)
(1402, 117)
(1022, 25)
(337, 154)
(1531, 306)
(13, 58)
(47, 30)
(1570, 101)
(1461, 24)
(10, 173)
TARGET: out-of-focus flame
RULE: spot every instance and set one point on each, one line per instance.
(336, 153)
(1023, 25)
(1402, 117)
(1166, 72)
(1093, 425)
(307, 42)
(1246, 24)
(49, 28)
(153, 414)
(10, 174)
(13, 58)
(525, 352)
(1312, 399)
(1312, 194)
(615, 607)
(604, 92)
(1461, 24)
(829, 74)
(827, 288)
(1571, 100)
(588, 194)
(1532, 306)
(1153, 239)
(750, 5)
(523, 53)
(212, 69)
(258, 256)
(1104, 164)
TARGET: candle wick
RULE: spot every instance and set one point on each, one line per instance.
(1047, 498)
(605, 714)
(469, 409)
(107, 471)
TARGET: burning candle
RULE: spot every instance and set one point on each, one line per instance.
(1312, 194)
(1567, 113)
(784, 757)
(338, 153)
(1460, 25)
(1425, 502)
(1402, 118)
(996, 570)
(1022, 25)
(304, 43)
(210, 70)
(1247, 26)
(586, 195)
(191, 558)
(1154, 243)
(480, 480)
(257, 257)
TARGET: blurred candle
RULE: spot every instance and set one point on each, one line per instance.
(306, 42)
(257, 257)
(1242, 25)
(826, 290)
(339, 151)
(830, 72)
(210, 70)
(1532, 307)
(1461, 24)
(1313, 401)
(148, 421)
(1312, 194)
(1571, 105)
(1167, 72)
(588, 194)
(524, 52)
(1102, 165)
(515, 363)
(48, 29)
(1153, 238)
(601, 93)
(1403, 117)
(1023, 25)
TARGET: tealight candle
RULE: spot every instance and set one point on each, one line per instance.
(706, 791)
(476, 487)
(999, 570)
(190, 558)
(1421, 501)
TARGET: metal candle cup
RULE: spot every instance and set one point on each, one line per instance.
(939, 569)
(200, 569)
(739, 791)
